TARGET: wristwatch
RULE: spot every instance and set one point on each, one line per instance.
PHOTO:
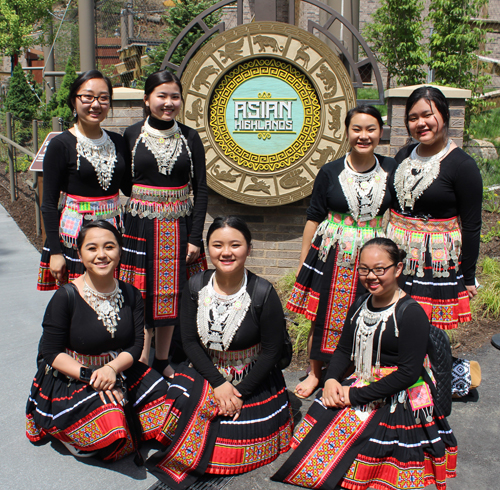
(85, 374)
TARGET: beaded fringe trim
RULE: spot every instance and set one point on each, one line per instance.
(342, 230)
(97, 360)
(441, 238)
(235, 365)
(159, 202)
(73, 212)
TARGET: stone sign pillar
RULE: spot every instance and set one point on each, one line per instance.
(396, 102)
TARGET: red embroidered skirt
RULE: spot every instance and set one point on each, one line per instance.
(328, 284)
(154, 250)
(432, 274)
(72, 411)
(200, 441)
(391, 447)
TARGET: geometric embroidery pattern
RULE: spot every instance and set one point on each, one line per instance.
(166, 268)
(330, 447)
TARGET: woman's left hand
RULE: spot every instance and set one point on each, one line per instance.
(347, 401)
(472, 290)
(193, 252)
(103, 379)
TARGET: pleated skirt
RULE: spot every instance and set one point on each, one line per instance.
(73, 412)
(200, 441)
(387, 447)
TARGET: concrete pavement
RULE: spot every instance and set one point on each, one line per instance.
(51, 467)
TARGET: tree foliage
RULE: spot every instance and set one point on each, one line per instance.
(18, 19)
(62, 110)
(177, 19)
(455, 43)
(20, 100)
(396, 34)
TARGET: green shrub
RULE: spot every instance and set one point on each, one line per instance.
(487, 302)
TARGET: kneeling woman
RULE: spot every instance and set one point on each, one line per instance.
(90, 391)
(379, 428)
(231, 412)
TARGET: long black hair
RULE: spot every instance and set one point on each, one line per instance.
(232, 222)
(85, 77)
(430, 94)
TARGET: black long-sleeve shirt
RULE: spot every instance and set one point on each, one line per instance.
(269, 332)
(79, 329)
(456, 191)
(60, 174)
(146, 171)
(407, 352)
(328, 195)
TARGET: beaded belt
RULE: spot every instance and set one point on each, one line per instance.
(343, 230)
(160, 202)
(234, 365)
(98, 360)
(442, 238)
(77, 208)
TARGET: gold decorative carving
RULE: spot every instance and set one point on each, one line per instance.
(224, 175)
(325, 155)
(201, 78)
(302, 55)
(329, 80)
(196, 112)
(293, 179)
(267, 42)
(258, 186)
(335, 123)
(305, 63)
(232, 51)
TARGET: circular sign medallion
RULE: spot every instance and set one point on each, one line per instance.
(268, 100)
(286, 114)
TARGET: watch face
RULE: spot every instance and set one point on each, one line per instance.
(85, 374)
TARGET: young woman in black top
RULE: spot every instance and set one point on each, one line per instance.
(163, 238)
(349, 198)
(83, 170)
(436, 216)
(380, 424)
(90, 391)
(230, 412)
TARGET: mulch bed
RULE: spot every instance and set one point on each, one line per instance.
(466, 338)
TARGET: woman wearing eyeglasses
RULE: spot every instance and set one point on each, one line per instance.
(83, 170)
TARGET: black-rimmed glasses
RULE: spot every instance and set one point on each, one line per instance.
(90, 99)
(378, 271)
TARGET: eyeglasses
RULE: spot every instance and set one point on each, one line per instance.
(90, 99)
(378, 271)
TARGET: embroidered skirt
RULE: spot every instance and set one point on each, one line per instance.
(402, 443)
(201, 441)
(74, 211)
(157, 225)
(327, 283)
(73, 412)
(432, 274)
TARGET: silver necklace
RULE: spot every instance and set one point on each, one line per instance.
(101, 153)
(219, 316)
(106, 305)
(415, 174)
(364, 192)
(366, 326)
(166, 146)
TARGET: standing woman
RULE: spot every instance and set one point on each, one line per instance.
(348, 201)
(163, 238)
(88, 165)
(437, 212)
